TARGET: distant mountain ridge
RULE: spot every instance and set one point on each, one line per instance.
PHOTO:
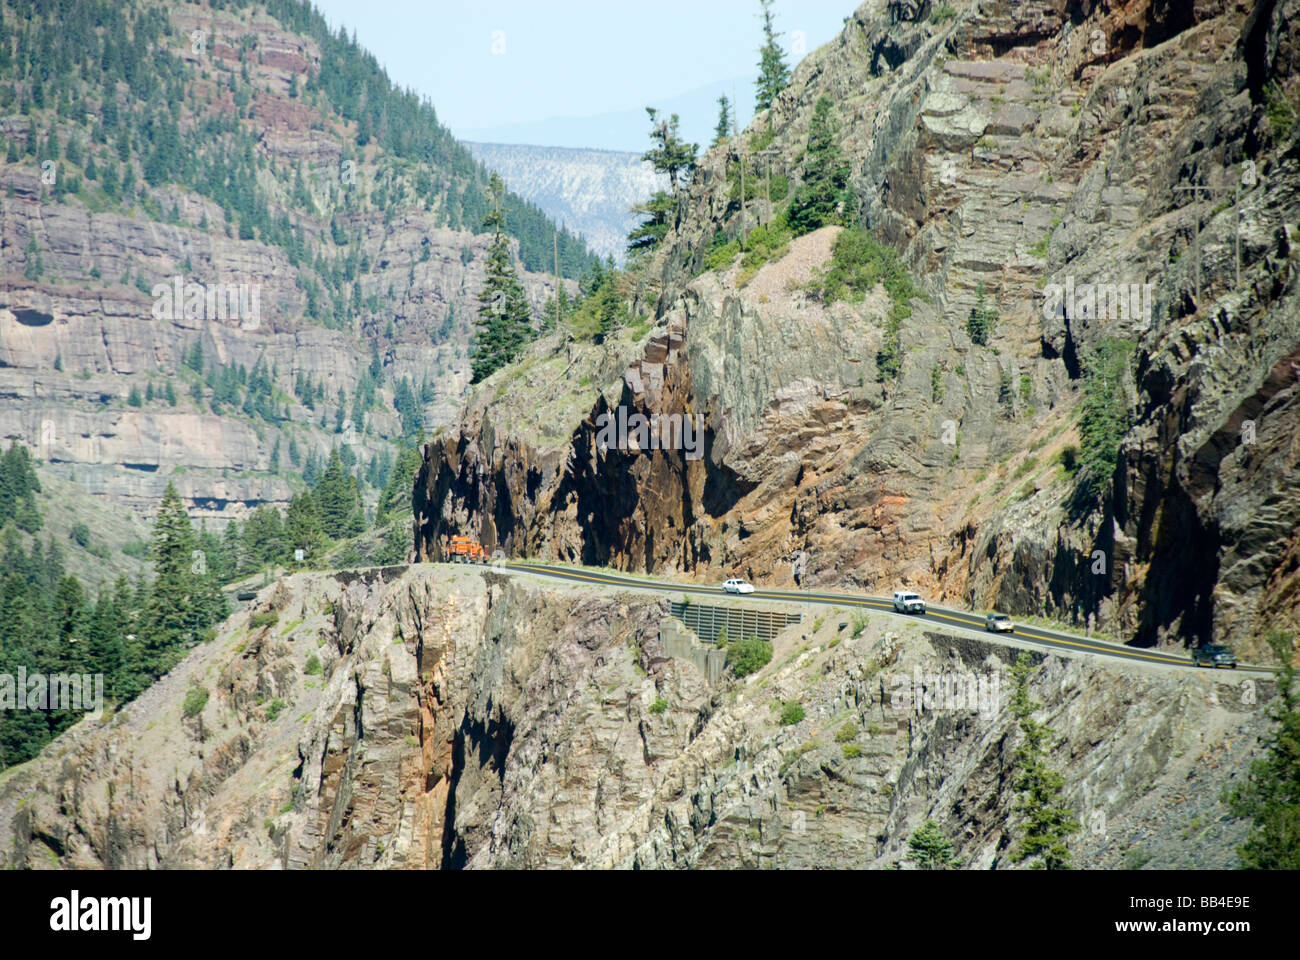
(628, 129)
(590, 191)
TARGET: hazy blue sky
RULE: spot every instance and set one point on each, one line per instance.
(559, 58)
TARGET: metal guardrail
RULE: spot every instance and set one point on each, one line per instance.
(706, 621)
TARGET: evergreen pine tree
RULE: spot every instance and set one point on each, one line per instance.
(723, 129)
(773, 74)
(106, 647)
(1271, 794)
(302, 526)
(669, 154)
(980, 323)
(650, 232)
(171, 596)
(929, 848)
(338, 500)
(396, 497)
(824, 196)
(504, 317)
(1048, 823)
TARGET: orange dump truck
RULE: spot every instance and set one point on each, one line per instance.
(463, 549)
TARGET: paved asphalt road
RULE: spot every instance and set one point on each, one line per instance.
(936, 616)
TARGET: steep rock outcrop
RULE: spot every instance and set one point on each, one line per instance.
(1007, 150)
(431, 717)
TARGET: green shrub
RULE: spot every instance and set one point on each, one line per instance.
(1105, 417)
(195, 701)
(659, 706)
(858, 263)
(600, 312)
(1069, 457)
(766, 243)
(137, 549)
(81, 534)
(721, 255)
(889, 358)
(749, 656)
(1280, 109)
(1025, 468)
(1039, 79)
(1006, 395)
(763, 139)
(851, 750)
(1135, 858)
(273, 711)
(267, 618)
(791, 713)
(313, 665)
(859, 624)
(846, 733)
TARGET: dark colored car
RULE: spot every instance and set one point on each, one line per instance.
(246, 595)
(1214, 655)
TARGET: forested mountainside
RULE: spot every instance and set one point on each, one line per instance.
(229, 244)
(1007, 313)
(592, 192)
(239, 274)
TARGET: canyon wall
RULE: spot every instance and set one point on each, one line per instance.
(1006, 152)
(430, 717)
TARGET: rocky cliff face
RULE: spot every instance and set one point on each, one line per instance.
(1026, 150)
(590, 191)
(109, 343)
(435, 717)
(80, 321)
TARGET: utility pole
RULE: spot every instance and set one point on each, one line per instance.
(1236, 228)
(1201, 191)
(1247, 178)
(742, 197)
(1196, 234)
(767, 154)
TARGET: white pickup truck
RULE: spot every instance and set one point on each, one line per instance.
(905, 601)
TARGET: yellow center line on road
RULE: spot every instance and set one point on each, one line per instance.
(970, 624)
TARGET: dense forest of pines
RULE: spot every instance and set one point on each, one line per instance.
(118, 108)
(133, 633)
